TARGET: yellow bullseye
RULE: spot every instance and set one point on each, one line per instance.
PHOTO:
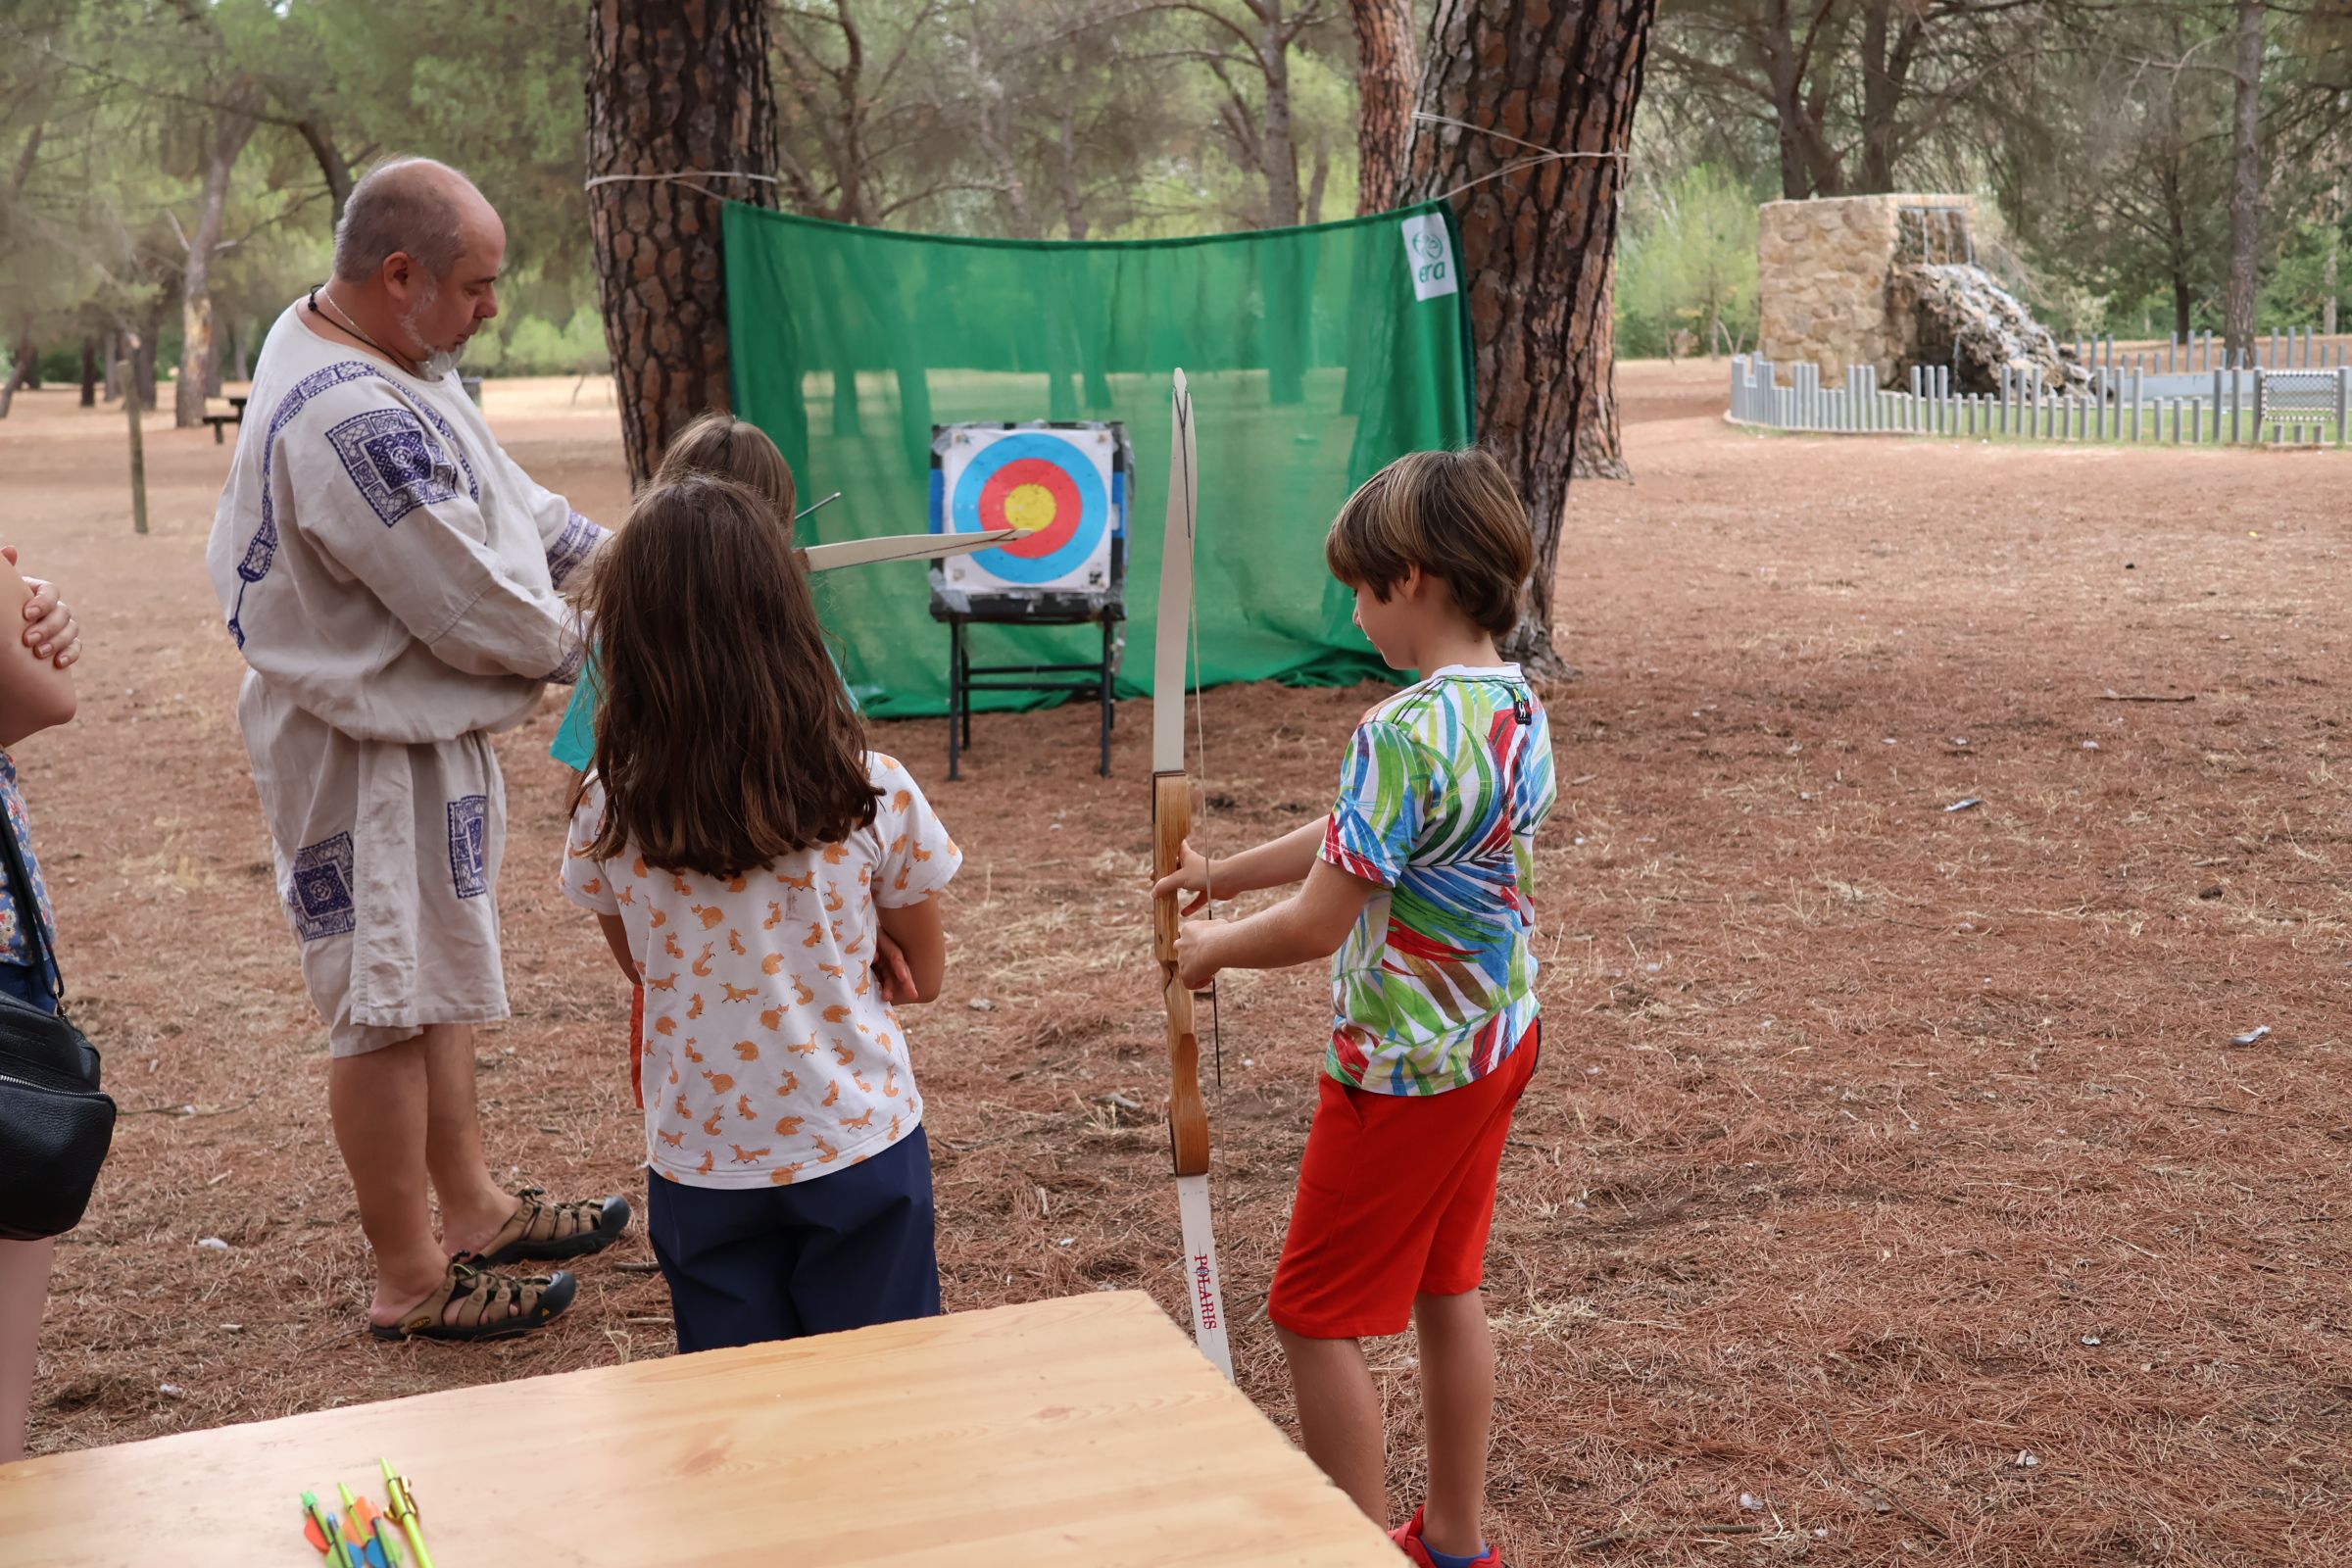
(1029, 507)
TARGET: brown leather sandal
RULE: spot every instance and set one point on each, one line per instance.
(483, 1300)
(542, 1231)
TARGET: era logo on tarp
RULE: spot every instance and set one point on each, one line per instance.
(1429, 251)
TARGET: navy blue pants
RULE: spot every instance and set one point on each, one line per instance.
(847, 1251)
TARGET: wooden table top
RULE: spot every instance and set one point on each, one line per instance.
(1086, 1430)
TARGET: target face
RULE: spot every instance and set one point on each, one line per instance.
(1057, 488)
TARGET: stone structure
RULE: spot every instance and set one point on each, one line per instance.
(1823, 268)
(1891, 282)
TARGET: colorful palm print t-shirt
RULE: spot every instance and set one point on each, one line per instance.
(1444, 788)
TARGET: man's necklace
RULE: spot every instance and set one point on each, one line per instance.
(347, 324)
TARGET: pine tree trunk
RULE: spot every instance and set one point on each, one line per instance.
(2245, 185)
(1278, 136)
(673, 86)
(1073, 201)
(25, 366)
(332, 167)
(198, 365)
(2335, 243)
(1599, 451)
(90, 372)
(1538, 242)
(1386, 75)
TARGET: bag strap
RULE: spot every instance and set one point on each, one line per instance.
(28, 908)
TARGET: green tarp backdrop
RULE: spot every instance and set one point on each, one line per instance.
(1314, 356)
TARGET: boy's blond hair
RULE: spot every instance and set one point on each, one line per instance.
(1454, 515)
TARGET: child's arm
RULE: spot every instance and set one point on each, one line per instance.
(921, 935)
(1310, 924)
(1275, 863)
(616, 937)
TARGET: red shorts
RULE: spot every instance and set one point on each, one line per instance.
(1396, 1199)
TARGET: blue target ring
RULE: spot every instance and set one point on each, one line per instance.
(965, 512)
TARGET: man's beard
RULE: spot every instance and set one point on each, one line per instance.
(433, 365)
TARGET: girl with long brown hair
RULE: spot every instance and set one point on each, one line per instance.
(745, 854)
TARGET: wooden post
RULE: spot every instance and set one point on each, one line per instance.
(2343, 377)
(139, 439)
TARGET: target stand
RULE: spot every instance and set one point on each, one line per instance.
(1066, 488)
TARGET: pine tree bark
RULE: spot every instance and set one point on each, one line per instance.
(2245, 184)
(319, 137)
(1599, 451)
(197, 362)
(1538, 237)
(1386, 75)
(675, 87)
(89, 371)
(23, 370)
(1279, 136)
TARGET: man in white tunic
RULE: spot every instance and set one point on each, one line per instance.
(392, 578)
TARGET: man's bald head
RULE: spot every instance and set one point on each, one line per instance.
(418, 255)
(409, 205)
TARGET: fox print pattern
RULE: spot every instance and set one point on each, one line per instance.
(778, 965)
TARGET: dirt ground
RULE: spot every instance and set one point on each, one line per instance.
(1892, 1189)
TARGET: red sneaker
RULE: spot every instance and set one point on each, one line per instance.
(1416, 1551)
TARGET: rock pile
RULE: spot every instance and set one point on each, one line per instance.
(1959, 319)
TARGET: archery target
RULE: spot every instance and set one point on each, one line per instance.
(1059, 488)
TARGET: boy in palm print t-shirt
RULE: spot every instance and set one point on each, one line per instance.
(1417, 886)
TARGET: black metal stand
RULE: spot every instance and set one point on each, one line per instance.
(965, 677)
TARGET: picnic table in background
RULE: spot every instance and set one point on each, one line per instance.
(1085, 1430)
(234, 415)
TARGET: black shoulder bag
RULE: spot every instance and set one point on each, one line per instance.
(55, 1126)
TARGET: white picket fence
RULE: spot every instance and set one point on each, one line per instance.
(2132, 404)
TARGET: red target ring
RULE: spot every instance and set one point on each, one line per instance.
(1048, 477)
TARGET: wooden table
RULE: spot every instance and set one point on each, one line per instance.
(1086, 1430)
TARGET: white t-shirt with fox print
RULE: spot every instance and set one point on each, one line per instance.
(770, 1053)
